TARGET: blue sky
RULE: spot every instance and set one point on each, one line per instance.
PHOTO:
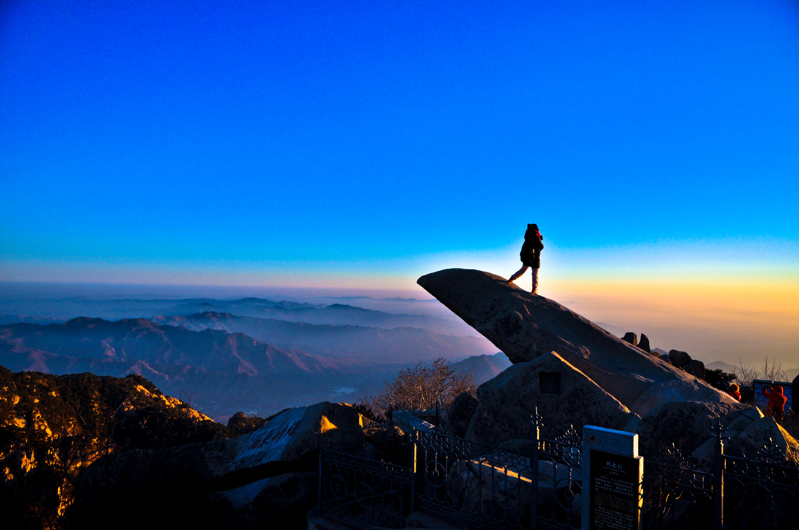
(366, 142)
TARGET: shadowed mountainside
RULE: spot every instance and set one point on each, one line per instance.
(52, 427)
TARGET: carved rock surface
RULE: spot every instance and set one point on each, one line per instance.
(563, 394)
(525, 326)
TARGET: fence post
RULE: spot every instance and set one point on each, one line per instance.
(718, 475)
(319, 490)
(536, 420)
(415, 439)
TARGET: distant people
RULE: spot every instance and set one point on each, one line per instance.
(734, 391)
(530, 255)
(776, 401)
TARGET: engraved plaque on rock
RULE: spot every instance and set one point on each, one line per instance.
(614, 492)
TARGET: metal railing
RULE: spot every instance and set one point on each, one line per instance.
(538, 484)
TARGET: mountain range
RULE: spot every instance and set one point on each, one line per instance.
(369, 345)
(222, 371)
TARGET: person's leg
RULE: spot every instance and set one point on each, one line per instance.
(518, 274)
(535, 281)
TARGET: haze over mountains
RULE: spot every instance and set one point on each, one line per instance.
(61, 310)
(290, 354)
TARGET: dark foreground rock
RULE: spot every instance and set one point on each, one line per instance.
(460, 414)
(275, 464)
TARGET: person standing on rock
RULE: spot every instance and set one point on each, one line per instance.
(530, 255)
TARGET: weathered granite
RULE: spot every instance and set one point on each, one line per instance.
(564, 396)
(461, 413)
(525, 326)
(679, 358)
(630, 337)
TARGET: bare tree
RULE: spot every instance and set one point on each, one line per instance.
(421, 387)
(746, 373)
(773, 372)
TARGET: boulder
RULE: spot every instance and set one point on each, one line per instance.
(687, 425)
(526, 326)
(630, 337)
(563, 394)
(296, 432)
(406, 421)
(644, 344)
(764, 434)
(460, 414)
(257, 504)
(287, 443)
(679, 358)
(495, 488)
(696, 368)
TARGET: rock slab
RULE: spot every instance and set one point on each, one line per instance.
(526, 326)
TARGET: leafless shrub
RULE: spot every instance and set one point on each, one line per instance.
(773, 372)
(745, 373)
(421, 387)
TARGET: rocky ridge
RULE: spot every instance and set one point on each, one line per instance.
(658, 394)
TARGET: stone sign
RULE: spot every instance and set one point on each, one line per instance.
(614, 492)
(613, 484)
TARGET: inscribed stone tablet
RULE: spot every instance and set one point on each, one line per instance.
(614, 502)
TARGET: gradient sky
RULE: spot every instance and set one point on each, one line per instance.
(362, 144)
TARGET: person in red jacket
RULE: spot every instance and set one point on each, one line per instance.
(776, 401)
(734, 391)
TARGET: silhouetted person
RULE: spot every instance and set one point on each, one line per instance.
(776, 401)
(530, 254)
(794, 399)
(734, 391)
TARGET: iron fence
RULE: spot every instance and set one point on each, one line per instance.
(537, 484)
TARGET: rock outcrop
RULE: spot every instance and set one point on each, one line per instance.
(679, 358)
(525, 326)
(563, 395)
(630, 337)
(237, 479)
(665, 402)
(460, 414)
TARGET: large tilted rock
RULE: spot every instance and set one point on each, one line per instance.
(563, 394)
(670, 405)
(525, 326)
